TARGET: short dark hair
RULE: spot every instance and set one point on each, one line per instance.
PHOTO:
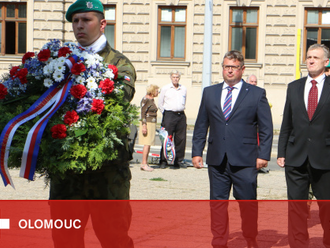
(100, 15)
(235, 55)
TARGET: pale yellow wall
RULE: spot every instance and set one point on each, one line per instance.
(136, 37)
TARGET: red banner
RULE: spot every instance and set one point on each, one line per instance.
(144, 224)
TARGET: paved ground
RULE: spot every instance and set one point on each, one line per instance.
(166, 184)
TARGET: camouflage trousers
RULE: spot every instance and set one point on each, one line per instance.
(111, 219)
(111, 182)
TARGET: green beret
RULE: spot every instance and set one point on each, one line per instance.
(83, 6)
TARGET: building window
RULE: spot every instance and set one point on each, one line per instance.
(110, 29)
(12, 28)
(317, 27)
(171, 33)
(243, 31)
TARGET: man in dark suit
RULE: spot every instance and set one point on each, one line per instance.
(304, 145)
(235, 112)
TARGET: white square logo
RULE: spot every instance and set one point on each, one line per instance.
(4, 223)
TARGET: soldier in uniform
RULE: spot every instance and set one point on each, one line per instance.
(112, 181)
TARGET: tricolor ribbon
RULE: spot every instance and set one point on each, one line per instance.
(53, 98)
(31, 148)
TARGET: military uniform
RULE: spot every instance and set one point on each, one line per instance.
(125, 68)
(111, 219)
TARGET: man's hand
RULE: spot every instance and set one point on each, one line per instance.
(281, 162)
(261, 163)
(198, 162)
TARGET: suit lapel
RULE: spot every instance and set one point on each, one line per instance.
(218, 94)
(324, 96)
(301, 98)
(241, 95)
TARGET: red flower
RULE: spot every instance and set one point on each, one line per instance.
(78, 91)
(107, 86)
(13, 71)
(78, 68)
(3, 91)
(114, 70)
(58, 131)
(21, 74)
(97, 106)
(44, 55)
(27, 56)
(63, 51)
(71, 117)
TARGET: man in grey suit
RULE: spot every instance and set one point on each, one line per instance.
(304, 145)
(234, 112)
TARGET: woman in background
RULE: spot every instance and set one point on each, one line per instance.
(148, 122)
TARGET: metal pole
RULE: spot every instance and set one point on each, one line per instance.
(207, 55)
(298, 73)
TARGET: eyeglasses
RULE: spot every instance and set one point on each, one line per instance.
(233, 67)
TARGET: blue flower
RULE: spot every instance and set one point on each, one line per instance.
(85, 104)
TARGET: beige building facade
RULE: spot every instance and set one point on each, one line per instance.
(162, 35)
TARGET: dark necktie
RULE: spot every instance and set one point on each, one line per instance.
(227, 104)
(312, 100)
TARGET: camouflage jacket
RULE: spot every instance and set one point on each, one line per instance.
(127, 71)
(125, 68)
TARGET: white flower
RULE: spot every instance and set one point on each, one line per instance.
(61, 60)
(50, 61)
(80, 80)
(91, 85)
(48, 82)
(109, 74)
(48, 69)
(59, 67)
(90, 61)
(58, 76)
(76, 51)
(90, 80)
(98, 57)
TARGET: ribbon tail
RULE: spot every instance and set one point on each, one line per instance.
(8, 132)
(33, 140)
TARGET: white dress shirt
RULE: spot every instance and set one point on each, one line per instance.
(172, 99)
(235, 92)
(308, 86)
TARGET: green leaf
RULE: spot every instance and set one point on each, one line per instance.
(80, 132)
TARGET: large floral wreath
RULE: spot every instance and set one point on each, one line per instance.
(88, 116)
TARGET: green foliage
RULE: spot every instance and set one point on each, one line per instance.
(159, 179)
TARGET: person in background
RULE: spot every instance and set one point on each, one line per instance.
(172, 103)
(148, 122)
(252, 79)
(327, 70)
